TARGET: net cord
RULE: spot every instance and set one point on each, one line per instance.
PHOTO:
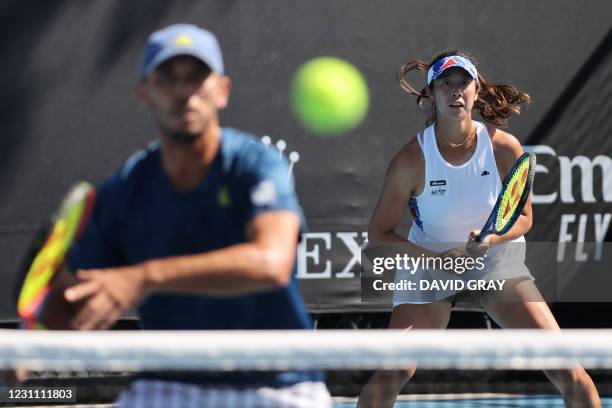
(282, 350)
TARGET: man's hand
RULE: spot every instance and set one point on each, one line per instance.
(105, 295)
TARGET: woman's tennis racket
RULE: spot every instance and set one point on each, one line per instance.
(512, 197)
(47, 253)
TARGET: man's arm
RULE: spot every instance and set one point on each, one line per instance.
(265, 261)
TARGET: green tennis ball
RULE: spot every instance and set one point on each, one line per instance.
(329, 96)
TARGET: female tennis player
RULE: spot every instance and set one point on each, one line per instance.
(450, 176)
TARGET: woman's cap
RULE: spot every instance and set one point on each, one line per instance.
(450, 62)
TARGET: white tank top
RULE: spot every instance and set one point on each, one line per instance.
(455, 199)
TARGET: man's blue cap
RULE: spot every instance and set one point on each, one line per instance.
(181, 39)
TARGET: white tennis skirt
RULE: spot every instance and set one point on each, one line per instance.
(168, 394)
(501, 263)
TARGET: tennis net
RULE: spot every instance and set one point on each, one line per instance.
(455, 367)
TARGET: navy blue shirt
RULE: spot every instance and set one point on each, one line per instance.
(139, 216)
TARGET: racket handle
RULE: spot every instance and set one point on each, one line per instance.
(480, 237)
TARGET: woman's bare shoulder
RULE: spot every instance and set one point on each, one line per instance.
(409, 158)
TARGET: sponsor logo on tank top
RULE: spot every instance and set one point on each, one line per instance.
(485, 173)
(437, 191)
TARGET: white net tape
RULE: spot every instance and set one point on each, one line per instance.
(279, 350)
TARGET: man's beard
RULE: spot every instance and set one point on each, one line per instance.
(183, 138)
(180, 137)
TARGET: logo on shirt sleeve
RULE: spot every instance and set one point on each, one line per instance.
(264, 193)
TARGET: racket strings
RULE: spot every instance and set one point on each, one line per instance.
(512, 195)
(67, 224)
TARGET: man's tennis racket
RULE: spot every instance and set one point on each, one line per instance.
(47, 254)
(512, 197)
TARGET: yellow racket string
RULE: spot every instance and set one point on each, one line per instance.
(53, 251)
(512, 195)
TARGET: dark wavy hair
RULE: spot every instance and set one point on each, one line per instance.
(495, 102)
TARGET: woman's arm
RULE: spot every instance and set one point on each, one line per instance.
(403, 179)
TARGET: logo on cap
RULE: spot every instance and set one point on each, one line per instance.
(183, 40)
(449, 63)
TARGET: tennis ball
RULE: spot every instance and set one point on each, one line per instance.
(329, 96)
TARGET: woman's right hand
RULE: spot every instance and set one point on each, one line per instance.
(454, 254)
